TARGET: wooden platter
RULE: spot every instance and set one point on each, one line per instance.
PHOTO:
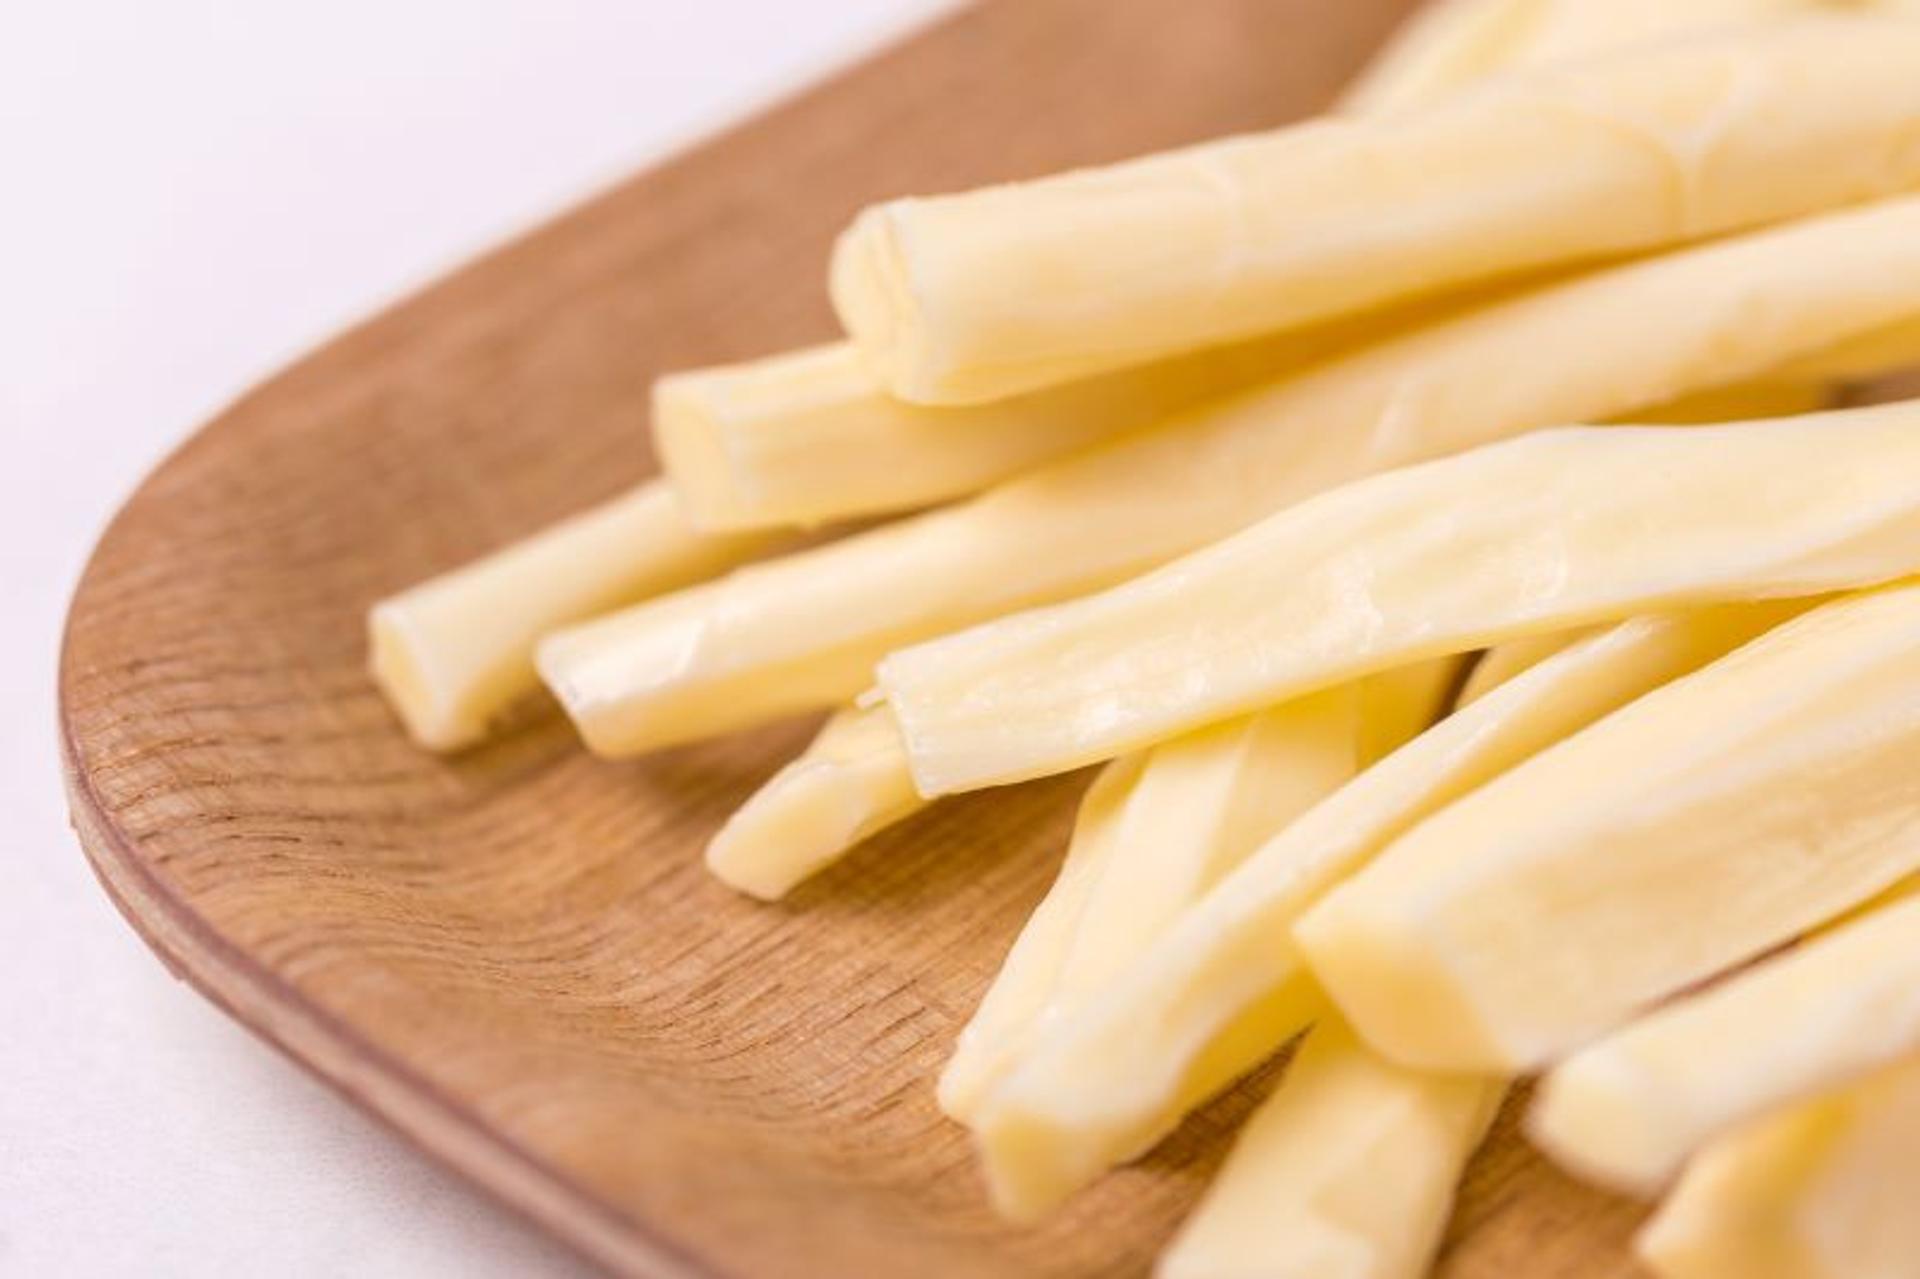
(515, 957)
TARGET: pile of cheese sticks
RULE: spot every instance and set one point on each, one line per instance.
(1503, 659)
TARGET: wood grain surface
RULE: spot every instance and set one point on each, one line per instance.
(515, 957)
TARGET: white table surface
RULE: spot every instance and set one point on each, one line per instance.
(192, 191)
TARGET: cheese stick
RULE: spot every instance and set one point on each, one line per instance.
(1222, 988)
(1348, 1169)
(1157, 830)
(1445, 46)
(1505, 662)
(454, 655)
(1821, 1190)
(1559, 528)
(853, 780)
(1627, 1111)
(1451, 44)
(1741, 402)
(803, 632)
(1693, 830)
(849, 783)
(1890, 348)
(811, 436)
(972, 297)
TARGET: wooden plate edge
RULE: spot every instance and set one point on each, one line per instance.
(355, 1068)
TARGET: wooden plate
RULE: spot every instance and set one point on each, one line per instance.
(515, 957)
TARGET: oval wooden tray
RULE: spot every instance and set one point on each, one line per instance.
(514, 957)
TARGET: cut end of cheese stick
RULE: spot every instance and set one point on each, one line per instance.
(803, 632)
(1667, 843)
(1821, 1190)
(1222, 989)
(454, 655)
(1157, 831)
(1627, 1111)
(1557, 529)
(972, 297)
(850, 782)
(1347, 1172)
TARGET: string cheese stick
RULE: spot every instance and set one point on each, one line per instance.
(1627, 1111)
(851, 782)
(1449, 45)
(1222, 988)
(1741, 402)
(1157, 830)
(1822, 1190)
(972, 297)
(803, 632)
(454, 655)
(1556, 529)
(1713, 819)
(1444, 47)
(1890, 348)
(1505, 662)
(811, 436)
(1348, 1169)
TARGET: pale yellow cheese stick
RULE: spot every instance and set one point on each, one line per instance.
(853, 780)
(1741, 402)
(454, 655)
(977, 296)
(1758, 399)
(1627, 1111)
(1693, 830)
(811, 436)
(1444, 47)
(1824, 1189)
(1890, 348)
(1348, 1170)
(803, 632)
(1159, 829)
(1449, 45)
(1222, 988)
(1558, 528)
(1156, 831)
(849, 783)
(1504, 662)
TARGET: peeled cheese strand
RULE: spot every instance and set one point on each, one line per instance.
(1628, 1110)
(1222, 988)
(803, 632)
(1348, 1169)
(1158, 830)
(454, 655)
(971, 297)
(1685, 834)
(1556, 529)
(1824, 1189)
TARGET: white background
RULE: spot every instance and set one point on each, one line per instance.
(192, 191)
